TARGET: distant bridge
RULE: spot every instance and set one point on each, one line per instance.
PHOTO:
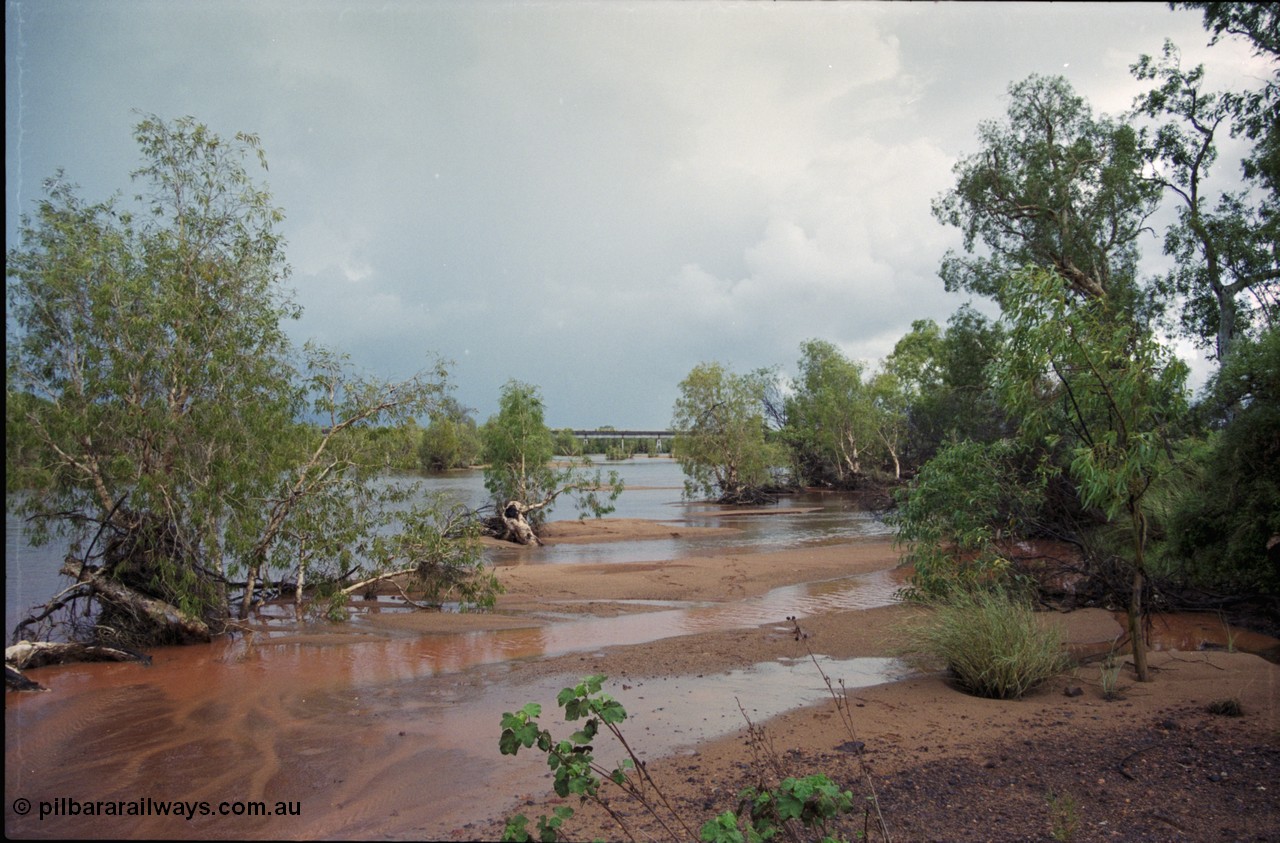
(657, 435)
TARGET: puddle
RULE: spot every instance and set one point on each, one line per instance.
(1188, 632)
(678, 712)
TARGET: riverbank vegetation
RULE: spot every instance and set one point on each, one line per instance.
(159, 421)
(1056, 444)
(517, 448)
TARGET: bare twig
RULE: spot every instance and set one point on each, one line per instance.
(846, 717)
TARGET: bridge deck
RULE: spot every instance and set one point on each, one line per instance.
(624, 434)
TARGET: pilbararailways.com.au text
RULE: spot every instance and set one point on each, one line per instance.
(65, 806)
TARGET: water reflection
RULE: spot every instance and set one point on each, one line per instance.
(383, 733)
(653, 493)
(414, 656)
(375, 735)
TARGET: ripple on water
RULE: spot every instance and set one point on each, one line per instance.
(361, 727)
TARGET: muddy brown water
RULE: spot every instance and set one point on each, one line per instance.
(360, 733)
(356, 731)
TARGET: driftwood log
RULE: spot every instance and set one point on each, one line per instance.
(15, 681)
(28, 654)
(177, 625)
(515, 521)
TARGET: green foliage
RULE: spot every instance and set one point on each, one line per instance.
(955, 512)
(830, 417)
(339, 516)
(813, 803)
(1052, 186)
(1064, 813)
(572, 760)
(566, 444)
(152, 349)
(151, 386)
(1253, 110)
(946, 385)
(394, 447)
(990, 641)
(721, 439)
(439, 541)
(1228, 501)
(518, 448)
(1224, 252)
(451, 440)
(548, 827)
(1086, 374)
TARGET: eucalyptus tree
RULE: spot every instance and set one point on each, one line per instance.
(890, 417)
(1054, 186)
(1088, 378)
(830, 417)
(1226, 271)
(451, 439)
(913, 366)
(1226, 517)
(518, 448)
(945, 384)
(1254, 111)
(157, 417)
(720, 441)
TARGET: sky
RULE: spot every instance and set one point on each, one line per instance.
(590, 197)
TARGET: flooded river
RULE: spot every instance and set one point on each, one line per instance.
(356, 731)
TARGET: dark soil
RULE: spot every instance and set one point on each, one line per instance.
(1189, 775)
(1186, 775)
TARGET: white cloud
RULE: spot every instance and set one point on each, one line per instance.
(593, 197)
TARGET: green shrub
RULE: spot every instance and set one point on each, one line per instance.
(990, 641)
(955, 512)
(812, 804)
(1229, 502)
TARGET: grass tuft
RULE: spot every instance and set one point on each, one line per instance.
(990, 641)
(1227, 708)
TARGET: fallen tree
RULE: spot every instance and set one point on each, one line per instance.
(28, 654)
(164, 621)
(149, 362)
(519, 474)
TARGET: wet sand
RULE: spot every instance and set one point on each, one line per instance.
(387, 727)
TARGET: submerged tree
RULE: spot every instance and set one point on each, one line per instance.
(154, 407)
(518, 449)
(720, 438)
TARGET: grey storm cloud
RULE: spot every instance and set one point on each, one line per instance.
(591, 197)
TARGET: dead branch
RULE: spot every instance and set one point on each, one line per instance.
(176, 623)
(29, 654)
